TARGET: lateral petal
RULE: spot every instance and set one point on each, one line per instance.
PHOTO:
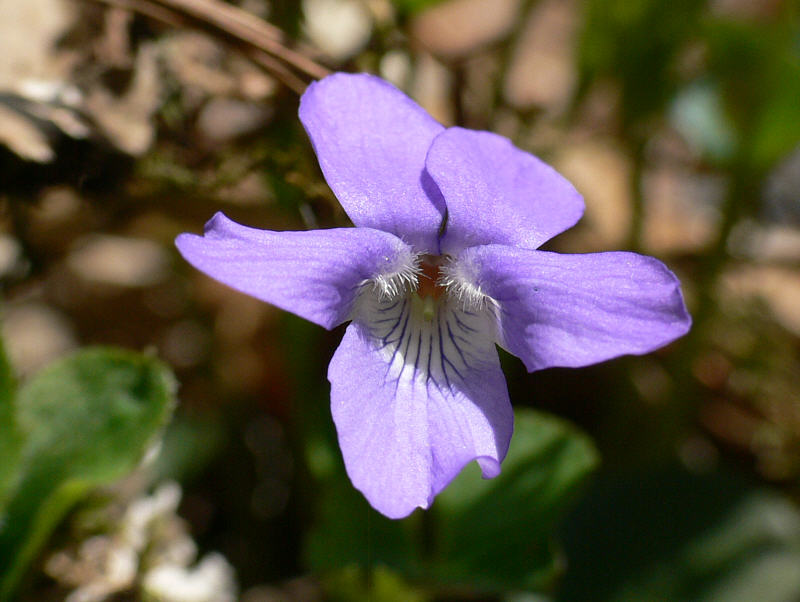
(316, 274)
(371, 141)
(575, 310)
(497, 193)
(414, 401)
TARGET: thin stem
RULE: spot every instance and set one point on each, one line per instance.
(506, 53)
(18, 212)
(428, 543)
(637, 154)
(743, 188)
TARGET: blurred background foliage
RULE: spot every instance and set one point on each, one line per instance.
(672, 476)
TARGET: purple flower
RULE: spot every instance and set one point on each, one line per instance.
(441, 266)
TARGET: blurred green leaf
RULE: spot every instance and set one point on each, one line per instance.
(672, 535)
(499, 533)
(88, 418)
(637, 44)
(483, 534)
(757, 66)
(189, 444)
(10, 436)
(349, 532)
(352, 584)
(698, 113)
(777, 129)
(414, 6)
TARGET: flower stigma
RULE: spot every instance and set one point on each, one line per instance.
(429, 287)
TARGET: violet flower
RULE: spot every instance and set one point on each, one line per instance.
(441, 266)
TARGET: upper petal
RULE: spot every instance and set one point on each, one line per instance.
(414, 401)
(316, 275)
(574, 310)
(371, 141)
(497, 193)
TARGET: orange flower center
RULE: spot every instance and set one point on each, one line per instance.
(429, 277)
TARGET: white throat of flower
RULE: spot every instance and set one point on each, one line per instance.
(430, 318)
(431, 277)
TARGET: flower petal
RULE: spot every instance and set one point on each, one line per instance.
(316, 275)
(574, 310)
(371, 141)
(496, 193)
(414, 401)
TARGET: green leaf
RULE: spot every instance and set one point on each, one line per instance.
(699, 115)
(481, 534)
(88, 418)
(349, 533)
(670, 535)
(414, 6)
(499, 533)
(757, 67)
(777, 130)
(351, 584)
(187, 447)
(637, 44)
(10, 436)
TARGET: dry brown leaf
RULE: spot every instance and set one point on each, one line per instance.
(24, 137)
(456, 28)
(127, 120)
(542, 71)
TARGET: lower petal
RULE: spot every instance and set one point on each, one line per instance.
(575, 310)
(414, 401)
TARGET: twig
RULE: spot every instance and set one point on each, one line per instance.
(246, 27)
(146, 9)
(261, 41)
(277, 69)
